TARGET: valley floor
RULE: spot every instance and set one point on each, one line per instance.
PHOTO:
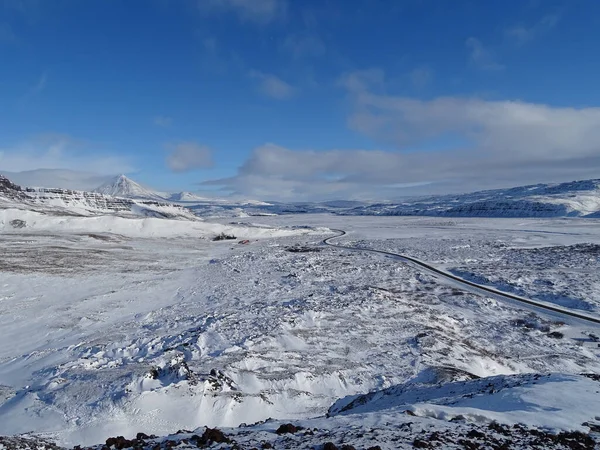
(104, 335)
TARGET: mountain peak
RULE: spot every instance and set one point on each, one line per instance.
(122, 186)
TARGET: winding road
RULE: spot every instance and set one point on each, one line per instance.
(469, 285)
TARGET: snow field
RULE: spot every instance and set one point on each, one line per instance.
(157, 333)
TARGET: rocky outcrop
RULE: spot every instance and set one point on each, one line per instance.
(10, 190)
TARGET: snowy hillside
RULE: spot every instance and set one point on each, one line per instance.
(572, 199)
(110, 329)
(504, 412)
(187, 197)
(124, 187)
(63, 202)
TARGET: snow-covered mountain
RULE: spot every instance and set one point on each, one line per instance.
(124, 187)
(572, 199)
(188, 197)
(81, 203)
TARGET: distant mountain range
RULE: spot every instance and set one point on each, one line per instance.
(572, 199)
(123, 195)
(81, 203)
(125, 187)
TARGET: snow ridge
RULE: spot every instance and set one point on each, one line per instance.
(571, 199)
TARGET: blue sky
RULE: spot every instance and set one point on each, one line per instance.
(302, 99)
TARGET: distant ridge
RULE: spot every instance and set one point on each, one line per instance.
(570, 199)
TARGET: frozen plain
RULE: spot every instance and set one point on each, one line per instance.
(106, 334)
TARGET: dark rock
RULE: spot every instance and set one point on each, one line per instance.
(224, 237)
(330, 446)
(119, 443)
(210, 436)
(18, 223)
(418, 443)
(298, 249)
(468, 444)
(142, 436)
(267, 445)
(475, 434)
(347, 447)
(435, 436)
(288, 428)
(498, 428)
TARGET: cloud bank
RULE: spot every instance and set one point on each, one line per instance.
(187, 156)
(60, 161)
(61, 152)
(446, 144)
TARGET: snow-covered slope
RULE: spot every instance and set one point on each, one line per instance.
(504, 412)
(572, 199)
(188, 197)
(64, 202)
(122, 186)
(114, 334)
(530, 399)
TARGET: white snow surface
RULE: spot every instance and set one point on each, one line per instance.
(532, 400)
(148, 227)
(111, 326)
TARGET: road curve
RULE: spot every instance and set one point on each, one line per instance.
(461, 281)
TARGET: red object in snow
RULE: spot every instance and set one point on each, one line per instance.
(245, 241)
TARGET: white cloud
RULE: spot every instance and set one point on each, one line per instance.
(61, 152)
(522, 34)
(361, 80)
(480, 56)
(163, 121)
(505, 128)
(306, 44)
(58, 178)
(272, 86)
(447, 144)
(277, 173)
(187, 156)
(257, 11)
